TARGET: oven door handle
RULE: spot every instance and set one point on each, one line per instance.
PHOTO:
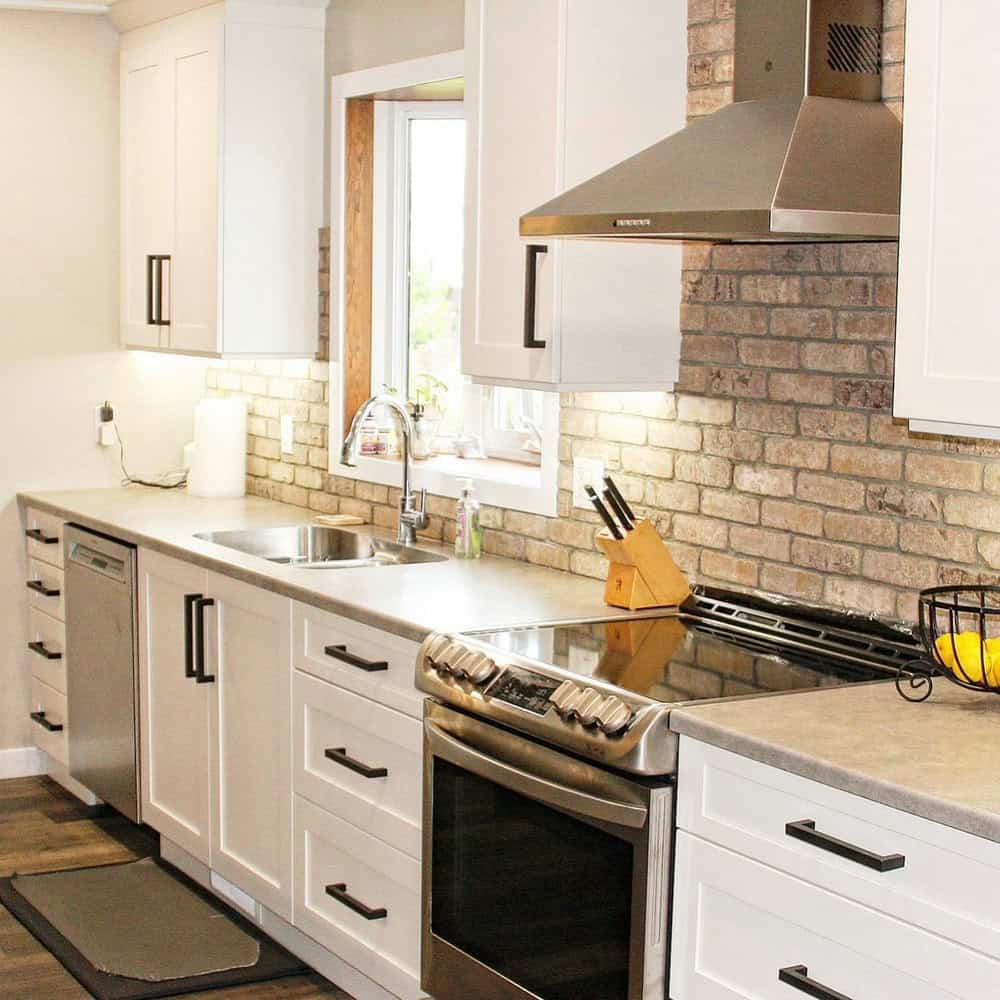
(444, 745)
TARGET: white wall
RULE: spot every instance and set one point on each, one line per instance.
(58, 301)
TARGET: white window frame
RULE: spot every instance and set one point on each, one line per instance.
(532, 488)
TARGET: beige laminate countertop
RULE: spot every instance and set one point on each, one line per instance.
(937, 759)
(408, 600)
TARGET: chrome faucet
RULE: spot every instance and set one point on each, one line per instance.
(412, 517)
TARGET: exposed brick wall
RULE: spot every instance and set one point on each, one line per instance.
(776, 465)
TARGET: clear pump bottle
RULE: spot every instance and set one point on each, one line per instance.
(468, 534)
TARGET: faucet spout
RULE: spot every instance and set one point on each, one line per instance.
(412, 514)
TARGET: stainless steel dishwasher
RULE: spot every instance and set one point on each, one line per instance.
(102, 667)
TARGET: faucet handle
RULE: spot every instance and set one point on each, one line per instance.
(422, 504)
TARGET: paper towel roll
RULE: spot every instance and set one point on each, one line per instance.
(219, 463)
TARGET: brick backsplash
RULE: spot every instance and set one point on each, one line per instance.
(776, 464)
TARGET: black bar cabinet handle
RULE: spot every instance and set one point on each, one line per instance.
(160, 321)
(154, 289)
(48, 654)
(189, 600)
(40, 588)
(200, 603)
(805, 830)
(150, 315)
(340, 653)
(37, 535)
(52, 727)
(798, 976)
(339, 756)
(339, 893)
(530, 284)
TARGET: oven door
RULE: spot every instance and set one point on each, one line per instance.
(543, 876)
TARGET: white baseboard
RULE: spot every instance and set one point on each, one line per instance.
(22, 762)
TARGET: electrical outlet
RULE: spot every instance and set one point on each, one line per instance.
(586, 472)
(287, 434)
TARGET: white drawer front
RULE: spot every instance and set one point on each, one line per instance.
(47, 649)
(359, 732)
(315, 631)
(52, 704)
(51, 579)
(330, 852)
(949, 882)
(42, 528)
(737, 923)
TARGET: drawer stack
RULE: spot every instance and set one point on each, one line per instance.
(788, 888)
(47, 636)
(357, 779)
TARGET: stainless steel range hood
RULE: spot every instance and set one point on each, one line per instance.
(807, 153)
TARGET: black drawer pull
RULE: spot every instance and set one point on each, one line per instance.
(532, 252)
(37, 535)
(200, 603)
(39, 648)
(340, 653)
(339, 893)
(52, 727)
(189, 600)
(798, 976)
(40, 588)
(339, 756)
(805, 830)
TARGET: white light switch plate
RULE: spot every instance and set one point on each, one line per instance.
(586, 472)
(287, 434)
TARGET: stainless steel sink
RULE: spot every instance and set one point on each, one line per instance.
(312, 546)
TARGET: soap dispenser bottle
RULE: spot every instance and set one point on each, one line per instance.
(468, 535)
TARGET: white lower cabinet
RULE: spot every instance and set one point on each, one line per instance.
(215, 715)
(739, 926)
(776, 874)
(359, 897)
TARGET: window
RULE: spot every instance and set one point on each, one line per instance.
(398, 186)
(419, 223)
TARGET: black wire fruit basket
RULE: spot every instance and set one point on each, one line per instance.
(960, 630)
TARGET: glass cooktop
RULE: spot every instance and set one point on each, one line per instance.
(701, 653)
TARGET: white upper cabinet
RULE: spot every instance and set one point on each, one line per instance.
(947, 350)
(557, 91)
(222, 162)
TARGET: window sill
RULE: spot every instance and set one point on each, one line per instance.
(530, 488)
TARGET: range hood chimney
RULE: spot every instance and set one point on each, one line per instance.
(807, 153)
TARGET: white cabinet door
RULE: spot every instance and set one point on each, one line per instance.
(556, 92)
(947, 351)
(174, 708)
(250, 643)
(511, 106)
(194, 69)
(146, 154)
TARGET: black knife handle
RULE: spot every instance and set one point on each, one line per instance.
(37, 535)
(52, 727)
(339, 893)
(612, 502)
(532, 253)
(340, 652)
(41, 650)
(798, 976)
(603, 511)
(200, 676)
(339, 756)
(619, 496)
(805, 830)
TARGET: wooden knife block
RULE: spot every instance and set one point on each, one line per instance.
(643, 573)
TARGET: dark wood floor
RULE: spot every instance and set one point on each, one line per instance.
(43, 828)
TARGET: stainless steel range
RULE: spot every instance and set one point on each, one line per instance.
(549, 783)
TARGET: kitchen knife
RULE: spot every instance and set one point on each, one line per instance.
(617, 494)
(615, 505)
(605, 516)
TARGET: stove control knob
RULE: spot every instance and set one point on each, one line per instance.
(448, 658)
(588, 706)
(435, 648)
(565, 697)
(477, 667)
(613, 716)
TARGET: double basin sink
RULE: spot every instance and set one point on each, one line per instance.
(312, 546)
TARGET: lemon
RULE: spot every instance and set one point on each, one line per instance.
(976, 661)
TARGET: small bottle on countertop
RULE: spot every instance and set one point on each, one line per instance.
(468, 534)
